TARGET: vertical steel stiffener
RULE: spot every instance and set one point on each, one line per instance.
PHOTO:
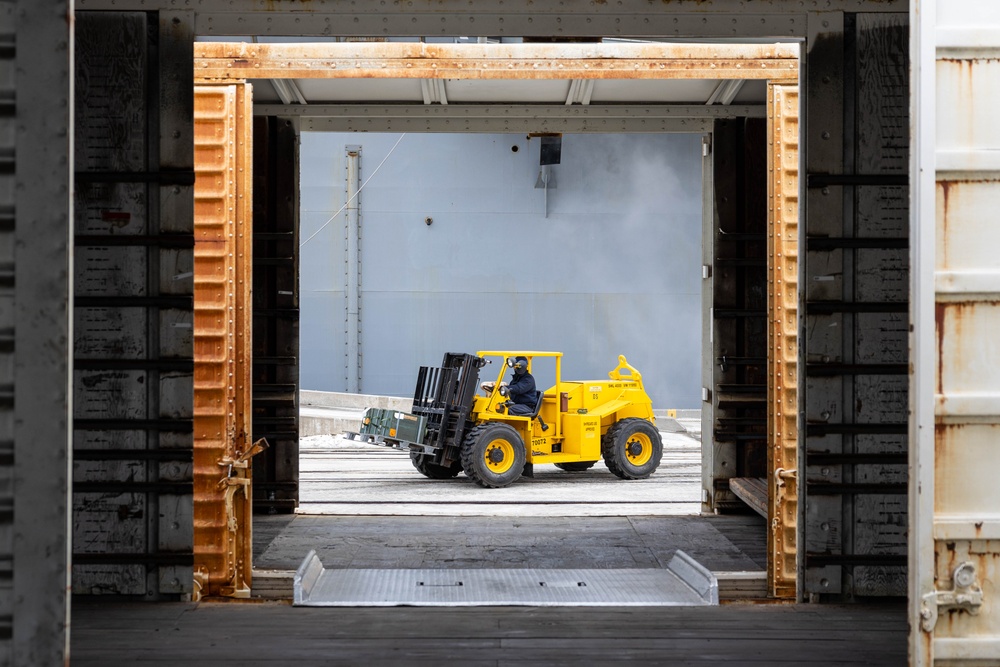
(222, 476)
(783, 349)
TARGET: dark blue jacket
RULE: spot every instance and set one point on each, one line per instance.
(521, 389)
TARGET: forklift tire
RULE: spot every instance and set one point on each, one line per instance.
(576, 466)
(493, 455)
(432, 470)
(632, 448)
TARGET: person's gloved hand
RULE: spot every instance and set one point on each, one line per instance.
(488, 387)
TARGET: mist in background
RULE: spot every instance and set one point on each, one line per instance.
(613, 266)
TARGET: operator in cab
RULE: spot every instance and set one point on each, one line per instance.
(520, 389)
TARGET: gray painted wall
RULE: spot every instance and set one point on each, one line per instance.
(614, 269)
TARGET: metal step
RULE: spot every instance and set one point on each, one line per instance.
(683, 583)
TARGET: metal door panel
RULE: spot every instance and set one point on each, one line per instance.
(783, 351)
(222, 492)
(955, 498)
(132, 305)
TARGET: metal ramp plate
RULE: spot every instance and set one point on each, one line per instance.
(683, 583)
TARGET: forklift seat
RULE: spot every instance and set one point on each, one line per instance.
(538, 406)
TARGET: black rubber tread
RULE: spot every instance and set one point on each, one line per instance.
(473, 451)
(576, 466)
(427, 468)
(613, 448)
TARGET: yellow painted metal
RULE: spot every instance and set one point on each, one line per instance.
(499, 456)
(782, 306)
(229, 61)
(577, 413)
(222, 483)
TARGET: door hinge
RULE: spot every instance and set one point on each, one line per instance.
(966, 593)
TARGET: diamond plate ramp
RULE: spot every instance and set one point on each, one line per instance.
(683, 583)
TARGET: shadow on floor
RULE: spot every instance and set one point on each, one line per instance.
(720, 543)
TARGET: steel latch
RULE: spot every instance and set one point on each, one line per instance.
(241, 462)
(965, 594)
(782, 474)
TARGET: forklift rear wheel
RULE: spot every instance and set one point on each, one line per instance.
(576, 466)
(430, 469)
(632, 448)
(493, 455)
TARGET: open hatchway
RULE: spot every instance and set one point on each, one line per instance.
(156, 549)
(774, 65)
(118, 257)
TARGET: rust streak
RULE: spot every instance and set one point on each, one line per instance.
(939, 309)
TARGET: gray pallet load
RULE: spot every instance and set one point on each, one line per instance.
(684, 582)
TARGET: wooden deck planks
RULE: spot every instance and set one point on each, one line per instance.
(272, 633)
(752, 491)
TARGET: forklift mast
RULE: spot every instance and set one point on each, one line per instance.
(445, 396)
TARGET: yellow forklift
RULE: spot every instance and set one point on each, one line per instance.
(458, 424)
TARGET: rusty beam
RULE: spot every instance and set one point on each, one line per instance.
(783, 321)
(233, 61)
(222, 475)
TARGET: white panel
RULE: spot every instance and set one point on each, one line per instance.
(972, 126)
(955, 498)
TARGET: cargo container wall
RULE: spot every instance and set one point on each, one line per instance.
(132, 302)
(955, 498)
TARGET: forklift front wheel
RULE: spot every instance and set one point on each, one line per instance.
(493, 455)
(426, 466)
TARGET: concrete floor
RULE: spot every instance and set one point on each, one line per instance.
(343, 477)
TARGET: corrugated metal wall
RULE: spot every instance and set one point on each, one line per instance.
(738, 312)
(783, 337)
(611, 267)
(856, 291)
(7, 177)
(222, 340)
(133, 299)
(276, 313)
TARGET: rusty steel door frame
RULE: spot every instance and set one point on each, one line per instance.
(222, 444)
(777, 64)
(783, 348)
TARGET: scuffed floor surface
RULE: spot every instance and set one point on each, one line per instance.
(238, 633)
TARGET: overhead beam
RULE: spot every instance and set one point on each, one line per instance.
(237, 61)
(514, 18)
(499, 119)
(508, 126)
(503, 112)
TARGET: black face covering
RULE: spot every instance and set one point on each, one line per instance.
(520, 366)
